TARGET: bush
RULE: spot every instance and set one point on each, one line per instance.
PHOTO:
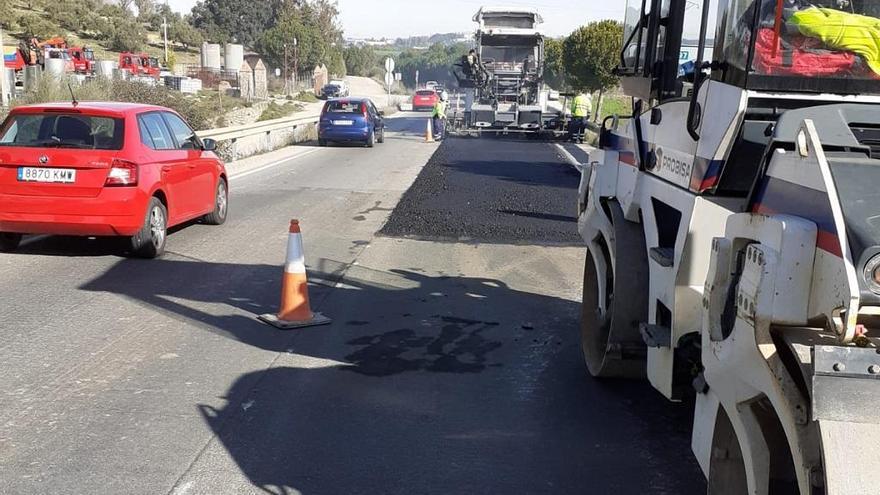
(276, 111)
(199, 116)
(34, 26)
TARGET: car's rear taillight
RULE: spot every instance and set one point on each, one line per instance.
(122, 173)
(364, 109)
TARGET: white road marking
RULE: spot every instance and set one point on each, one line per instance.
(273, 164)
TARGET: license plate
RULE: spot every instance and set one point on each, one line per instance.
(342, 122)
(36, 174)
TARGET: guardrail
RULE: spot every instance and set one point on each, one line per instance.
(266, 126)
(228, 137)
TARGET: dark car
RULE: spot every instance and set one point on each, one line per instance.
(333, 91)
(351, 120)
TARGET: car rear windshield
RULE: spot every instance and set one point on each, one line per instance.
(342, 106)
(62, 130)
(425, 92)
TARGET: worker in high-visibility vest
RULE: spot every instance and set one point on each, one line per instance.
(439, 115)
(581, 107)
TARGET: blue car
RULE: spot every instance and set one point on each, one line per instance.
(351, 120)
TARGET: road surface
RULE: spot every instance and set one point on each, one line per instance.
(452, 364)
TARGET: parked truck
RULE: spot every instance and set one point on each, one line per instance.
(502, 78)
(733, 248)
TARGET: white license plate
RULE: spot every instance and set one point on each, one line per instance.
(342, 122)
(36, 174)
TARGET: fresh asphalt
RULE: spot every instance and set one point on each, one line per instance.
(452, 364)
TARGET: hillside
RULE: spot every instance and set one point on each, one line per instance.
(106, 28)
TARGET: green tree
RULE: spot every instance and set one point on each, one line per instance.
(182, 32)
(360, 60)
(126, 35)
(235, 20)
(316, 30)
(554, 67)
(34, 26)
(590, 54)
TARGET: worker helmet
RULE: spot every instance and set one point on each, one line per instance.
(444, 95)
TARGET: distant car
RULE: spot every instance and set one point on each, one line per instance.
(351, 120)
(332, 91)
(424, 99)
(105, 169)
(344, 89)
(431, 84)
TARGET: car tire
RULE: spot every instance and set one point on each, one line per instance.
(149, 242)
(371, 140)
(381, 138)
(9, 242)
(221, 205)
(322, 142)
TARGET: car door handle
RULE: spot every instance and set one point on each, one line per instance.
(192, 165)
(166, 168)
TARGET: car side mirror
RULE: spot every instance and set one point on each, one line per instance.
(209, 144)
(381, 113)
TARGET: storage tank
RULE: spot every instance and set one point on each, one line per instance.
(104, 68)
(202, 53)
(212, 56)
(233, 56)
(54, 67)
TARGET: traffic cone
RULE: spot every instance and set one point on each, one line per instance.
(295, 311)
(429, 132)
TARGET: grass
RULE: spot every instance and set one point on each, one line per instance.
(276, 111)
(615, 104)
(306, 97)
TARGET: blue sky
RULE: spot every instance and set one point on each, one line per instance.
(401, 18)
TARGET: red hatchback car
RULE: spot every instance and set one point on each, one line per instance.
(424, 99)
(105, 169)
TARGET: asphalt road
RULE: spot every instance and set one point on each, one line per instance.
(452, 366)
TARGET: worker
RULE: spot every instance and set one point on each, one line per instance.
(438, 116)
(581, 107)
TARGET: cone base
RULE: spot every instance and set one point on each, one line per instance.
(272, 319)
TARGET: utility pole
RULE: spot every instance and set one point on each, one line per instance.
(286, 80)
(165, 35)
(295, 60)
(4, 95)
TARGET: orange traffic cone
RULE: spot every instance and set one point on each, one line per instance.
(429, 132)
(295, 311)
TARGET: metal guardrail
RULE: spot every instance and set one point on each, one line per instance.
(264, 127)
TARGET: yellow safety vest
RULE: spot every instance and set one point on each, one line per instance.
(439, 109)
(581, 106)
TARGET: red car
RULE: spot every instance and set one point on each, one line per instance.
(424, 99)
(105, 169)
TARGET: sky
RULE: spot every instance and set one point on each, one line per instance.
(403, 18)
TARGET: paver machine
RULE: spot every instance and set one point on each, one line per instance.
(502, 79)
(732, 225)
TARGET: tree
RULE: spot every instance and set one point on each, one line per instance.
(182, 32)
(319, 38)
(126, 4)
(590, 54)
(360, 61)
(146, 9)
(236, 21)
(126, 35)
(554, 67)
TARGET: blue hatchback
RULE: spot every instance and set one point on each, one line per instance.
(351, 120)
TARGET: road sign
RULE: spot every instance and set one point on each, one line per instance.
(389, 79)
(389, 64)
(398, 76)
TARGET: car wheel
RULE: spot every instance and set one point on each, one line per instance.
(371, 139)
(322, 142)
(150, 241)
(9, 242)
(221, 205)
(381, 138)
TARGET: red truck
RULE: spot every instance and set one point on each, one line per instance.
(83, 59)
(139, 64)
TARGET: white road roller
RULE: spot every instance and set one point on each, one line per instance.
(732, 225)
